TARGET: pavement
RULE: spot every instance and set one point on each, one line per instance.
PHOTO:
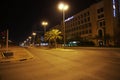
(19, 54)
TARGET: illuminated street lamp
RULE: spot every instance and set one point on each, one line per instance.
(44, 23)
(34, 34)
(63, 7)
(30, 37)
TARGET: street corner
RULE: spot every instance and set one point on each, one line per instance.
(23, 55)
(18, 55)
(15, 59)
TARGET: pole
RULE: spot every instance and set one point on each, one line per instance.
(7, 41)
(64, 26)
(44, 29)
(34, 40)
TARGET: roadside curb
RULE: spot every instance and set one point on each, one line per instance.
(20, 54)
(14, 60)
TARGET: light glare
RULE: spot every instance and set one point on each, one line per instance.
(63, 6)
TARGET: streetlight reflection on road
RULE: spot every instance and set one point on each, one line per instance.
(63, 7)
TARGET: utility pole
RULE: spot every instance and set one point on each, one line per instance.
(7, 41)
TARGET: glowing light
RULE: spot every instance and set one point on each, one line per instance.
(63, 6)
(119, 4)
(74, 42)
(44, 23)
(34, 33)
(69, 19)
(114, 9)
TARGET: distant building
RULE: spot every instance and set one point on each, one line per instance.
(99, 23)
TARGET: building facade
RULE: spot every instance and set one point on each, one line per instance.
(99, 23)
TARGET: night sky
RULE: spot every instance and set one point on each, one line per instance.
(20, 16)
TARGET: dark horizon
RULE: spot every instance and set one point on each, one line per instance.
(20, 17)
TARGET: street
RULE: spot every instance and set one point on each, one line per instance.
(65, 64)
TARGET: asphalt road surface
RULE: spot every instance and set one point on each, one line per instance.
(65, 64)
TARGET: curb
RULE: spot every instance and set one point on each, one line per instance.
(15, 60)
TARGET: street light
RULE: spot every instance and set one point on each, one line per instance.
(63, 7)
(44, 23)
(29, 40)
(34, 34)
(7, 40)
(29, 37)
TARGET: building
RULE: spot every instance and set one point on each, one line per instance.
(99, 23)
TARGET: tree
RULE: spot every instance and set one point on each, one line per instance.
(53, 35)
(38, 40)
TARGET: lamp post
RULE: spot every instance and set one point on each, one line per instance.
(34, 34)
(63, 7)
(7, 40)
(29, 40)
(44, 23)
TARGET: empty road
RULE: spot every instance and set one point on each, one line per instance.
(65, 64)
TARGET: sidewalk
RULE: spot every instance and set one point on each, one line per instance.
(19, 54)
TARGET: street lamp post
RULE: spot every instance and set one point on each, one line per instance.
(7, 40)
(29, 40)
(34, 34)
(44, 23)
(63, 7)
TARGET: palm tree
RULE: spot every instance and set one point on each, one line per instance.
(48, 37)
(53, 35)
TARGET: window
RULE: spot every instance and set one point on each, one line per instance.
(86, 31)
(88, 13)
(100, 16)
(100, 10)
(84, 14)
(86, 25)
(81, 16)
(78, 22)
(100, 24)
(85, 20)
(81, 21)
(78, 17)
(82, 32)
(103, 23)
(89, 24)
(88, 18)
(100, 34)
(90, 31)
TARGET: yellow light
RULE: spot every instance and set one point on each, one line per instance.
(34, 33)
(29, 37)
(63, 6)
(44, 23)
(66, 7)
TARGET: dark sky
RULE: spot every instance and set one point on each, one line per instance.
(20, 16)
